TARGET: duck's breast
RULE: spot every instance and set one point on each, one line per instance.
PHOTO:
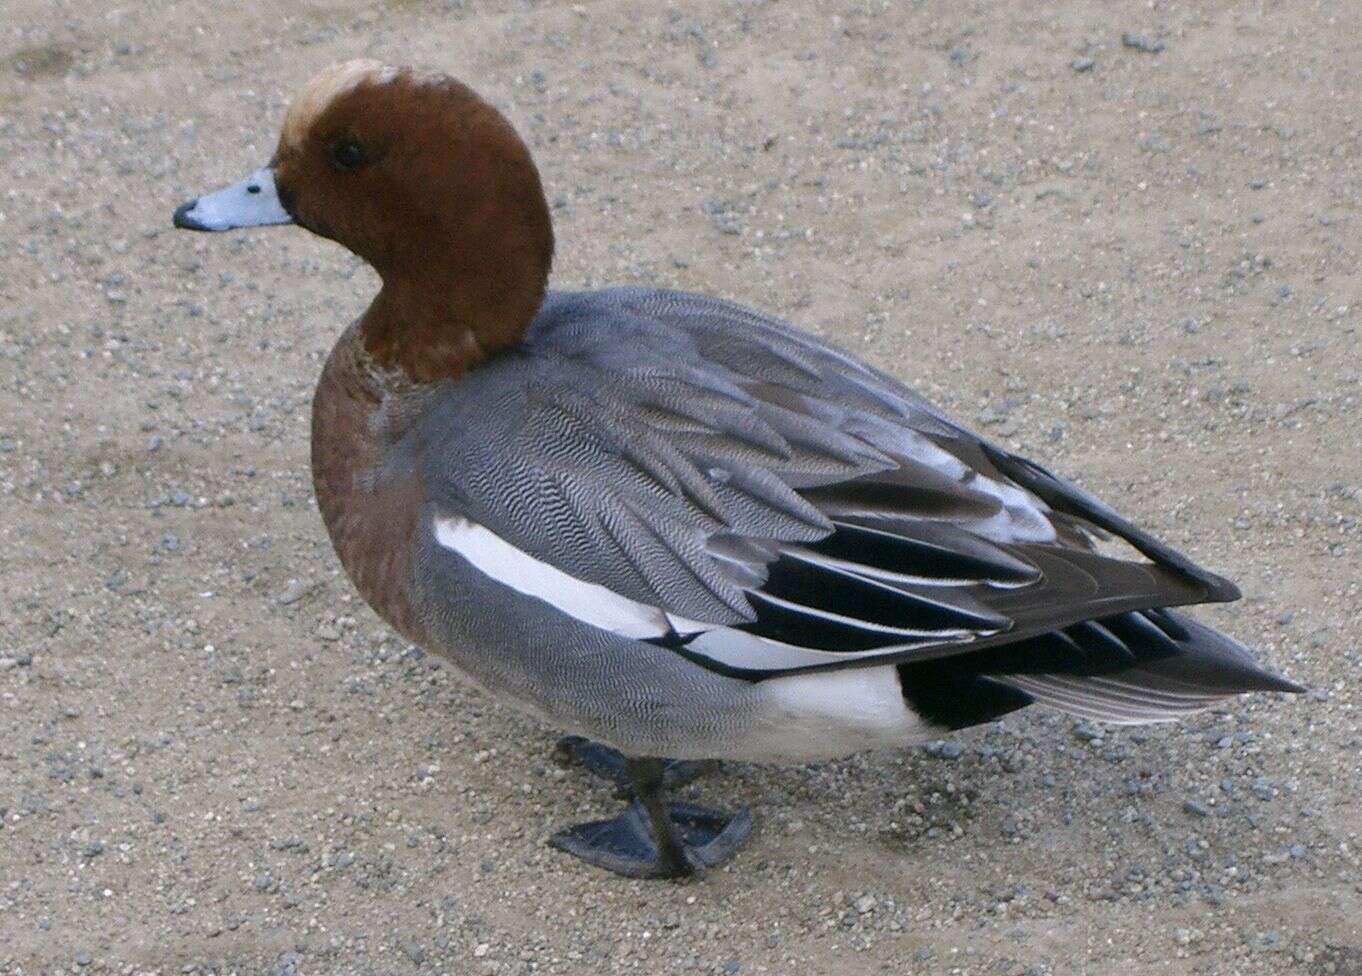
(369, 501)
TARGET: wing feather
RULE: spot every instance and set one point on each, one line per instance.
(780, 505)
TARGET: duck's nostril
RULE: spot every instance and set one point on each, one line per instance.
(253, 188)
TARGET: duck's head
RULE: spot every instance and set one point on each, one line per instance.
(429, 184)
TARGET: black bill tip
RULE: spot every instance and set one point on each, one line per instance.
(184, 217)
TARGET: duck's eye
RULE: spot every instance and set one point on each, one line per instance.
(348, 155)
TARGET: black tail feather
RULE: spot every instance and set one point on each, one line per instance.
(1146, 666)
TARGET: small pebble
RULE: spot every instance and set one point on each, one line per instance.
(1142, 43)
(1195, 809)
(949, 750)
(293, 592)
(1088, 732)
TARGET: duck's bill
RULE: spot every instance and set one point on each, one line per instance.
(254, 202)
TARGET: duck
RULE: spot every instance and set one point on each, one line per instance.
(675, 529)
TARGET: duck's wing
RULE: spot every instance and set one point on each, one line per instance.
(682, 470)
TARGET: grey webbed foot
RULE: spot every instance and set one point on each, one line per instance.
(703, 838)
(609, 764)
(654, 838)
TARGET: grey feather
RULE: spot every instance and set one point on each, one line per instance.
(701, 458)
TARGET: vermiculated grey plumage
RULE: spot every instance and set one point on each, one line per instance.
(791, 509)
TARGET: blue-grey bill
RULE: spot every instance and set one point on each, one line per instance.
(254, 202)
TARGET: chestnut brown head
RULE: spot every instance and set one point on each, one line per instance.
(428, 183)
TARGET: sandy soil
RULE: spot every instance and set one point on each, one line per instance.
(1139, 264)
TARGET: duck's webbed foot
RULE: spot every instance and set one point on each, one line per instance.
(654, 838)
(610, 764)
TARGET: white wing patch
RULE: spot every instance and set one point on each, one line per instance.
(600, 606)
(588, 602)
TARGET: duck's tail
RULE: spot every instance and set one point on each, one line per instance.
(1145, 666)
(1206, 668)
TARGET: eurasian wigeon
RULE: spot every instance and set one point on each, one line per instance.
(669, 525)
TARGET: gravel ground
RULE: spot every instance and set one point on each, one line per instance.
(1121, 238)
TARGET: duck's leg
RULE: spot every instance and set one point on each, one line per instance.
(654, 838)
(610, 764)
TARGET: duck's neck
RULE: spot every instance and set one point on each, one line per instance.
(440, 324)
